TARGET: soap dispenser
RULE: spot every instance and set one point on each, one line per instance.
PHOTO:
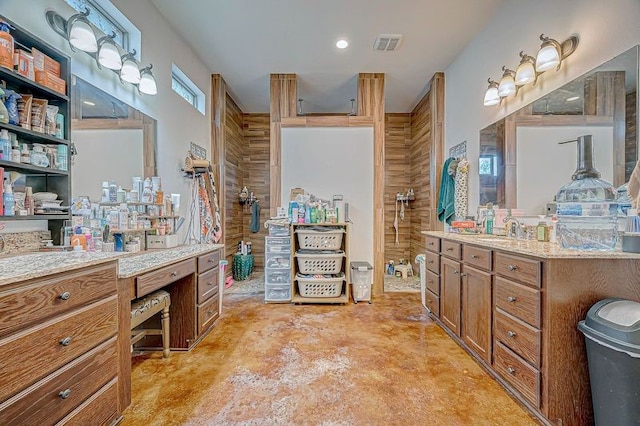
(587, 206)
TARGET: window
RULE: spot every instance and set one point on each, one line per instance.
(108, 19)
(488, 165)
(183, 86)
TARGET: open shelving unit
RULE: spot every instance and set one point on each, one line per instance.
(345, 295)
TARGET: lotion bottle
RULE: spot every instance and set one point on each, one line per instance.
(8, 201)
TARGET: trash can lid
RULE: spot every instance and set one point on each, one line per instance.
(614, 320)
(421, 258)
(361, 265)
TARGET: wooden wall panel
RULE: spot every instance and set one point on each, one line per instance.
(234, 143)
(255, 166)
(397, 172)
(631, 141)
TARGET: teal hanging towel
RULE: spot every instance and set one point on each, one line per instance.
(446, 196)
(255, 217)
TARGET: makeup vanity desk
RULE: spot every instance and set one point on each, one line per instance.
(514, 305)
(65, 338)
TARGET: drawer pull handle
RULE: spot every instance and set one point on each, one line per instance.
(463, 274)
(511, 371)
(511, 334)
(475, 256)
(65, 296)
(455, 272)
(65, 394)
(66, 341)
(211, 261)
(209, 283)
(174, 274)
(449, 248)
(431, 261)
(430, 244)
(511, 299)
(512, 267)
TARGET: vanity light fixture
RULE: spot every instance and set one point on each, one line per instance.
(526, 72)
(108, 53)
(342, 44)
(550, 55)
(81, 35)
(507, 86)
(491, 96)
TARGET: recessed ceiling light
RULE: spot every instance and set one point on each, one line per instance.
(342, 44)
(573, 98)
(89, 103)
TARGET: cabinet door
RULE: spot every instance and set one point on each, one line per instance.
(476, 311)
(450, 294)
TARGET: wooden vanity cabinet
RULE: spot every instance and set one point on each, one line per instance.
(59, 334)
(476, 301)
(450, 285)
(432, 279)
(208, 291)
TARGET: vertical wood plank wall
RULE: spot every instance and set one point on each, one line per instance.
(631, 120)
(397, 177)
(234, 142)
(255, 167)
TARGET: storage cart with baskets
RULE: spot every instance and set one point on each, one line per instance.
(320, 263)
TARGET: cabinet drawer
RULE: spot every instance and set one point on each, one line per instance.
(44, 402)
(476, 256)
(277, 276)
(525, 270)
(43, 299)
(451, 249)
(433, 262)
(433, 283)
(151, 281)
(523, 377)
(518, 336)
(285, 249)
(277, 241)
(433, 244)
(44, 348)
(277, 292)
(100, 409)
(207, 314)
(277, 261)
(208, 261)
(518, 300)
(208, 285)
(433, 303)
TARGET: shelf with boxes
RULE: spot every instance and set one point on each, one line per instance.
(319, 270)
(34, 131)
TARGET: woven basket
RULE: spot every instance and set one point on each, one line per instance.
(316, 239)
(318, 263)
(320, 287)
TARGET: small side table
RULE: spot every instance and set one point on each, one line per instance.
(242, 266)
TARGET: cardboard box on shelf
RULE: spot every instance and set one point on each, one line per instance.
(162, 241)
(23, 62)
(42, 62)
(51, 81)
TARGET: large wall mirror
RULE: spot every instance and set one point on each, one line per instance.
(521, 163)
(113, 141)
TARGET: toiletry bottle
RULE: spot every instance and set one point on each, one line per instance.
(159, 195)
(25, 155)
(6, 145)
(147, 194)
(8, 201)
(123, 216)
(121, 195)
(15, 152)
(489, 219)
(113, 192)
(105, 192)
(28, 200)
(542, 231)
(118, 242)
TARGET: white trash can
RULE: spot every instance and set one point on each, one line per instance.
(361, 281)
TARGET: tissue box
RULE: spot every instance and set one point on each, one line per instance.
(162, 241)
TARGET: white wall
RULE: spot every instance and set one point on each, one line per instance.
(104, 155)
(328, 161)
(540, 175)
(178, 122)
(605, 28)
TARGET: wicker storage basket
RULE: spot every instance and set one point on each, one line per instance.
(320, 287)
(320, 238)
(320, 263)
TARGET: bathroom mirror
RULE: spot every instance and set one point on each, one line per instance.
(522, 165)
(112, 141)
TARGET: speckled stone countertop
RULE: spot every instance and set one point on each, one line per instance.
(153, 259)
(21, 267)
(531, 247)
(35, 265)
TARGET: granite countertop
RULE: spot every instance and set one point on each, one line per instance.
(531, 247)
(21, 267)
(157, 258)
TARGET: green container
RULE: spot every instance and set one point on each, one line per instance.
(242, 266)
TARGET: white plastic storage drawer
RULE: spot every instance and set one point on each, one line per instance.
(277, 261)
(278, 230)
(270, 248)
(278, 241)
(277, 293)
(277, 276)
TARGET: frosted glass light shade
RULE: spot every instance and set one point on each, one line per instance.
(109, 56)
(507, 86)
(147, 83)
(81, 36)
(491, 96)
(548, 57)
(525, 73)
(130, 71)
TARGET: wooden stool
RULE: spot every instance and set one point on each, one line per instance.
(144, 308)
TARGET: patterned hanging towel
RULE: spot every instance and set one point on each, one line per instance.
(462, 189)
(210, 222)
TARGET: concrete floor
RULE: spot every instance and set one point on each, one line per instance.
(385, 363)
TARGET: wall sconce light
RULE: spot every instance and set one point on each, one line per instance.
(80, 34)
(550, 55)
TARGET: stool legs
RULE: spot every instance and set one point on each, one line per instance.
(165, 332)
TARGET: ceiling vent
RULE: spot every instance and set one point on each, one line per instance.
(387, 42)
